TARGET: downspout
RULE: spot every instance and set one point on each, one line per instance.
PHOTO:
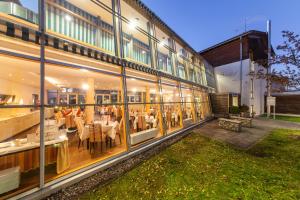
(241, 66)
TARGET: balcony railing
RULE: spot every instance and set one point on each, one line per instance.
(19, 11)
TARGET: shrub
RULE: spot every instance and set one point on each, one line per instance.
(234, 110)
(244, 108)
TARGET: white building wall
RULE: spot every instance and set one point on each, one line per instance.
(228, 80)
(260, 88)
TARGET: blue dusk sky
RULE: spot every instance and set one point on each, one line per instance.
(203, 23)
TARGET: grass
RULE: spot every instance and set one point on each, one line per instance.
(284, 118)
(198, 168)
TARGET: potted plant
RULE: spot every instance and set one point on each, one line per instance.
(244, 111)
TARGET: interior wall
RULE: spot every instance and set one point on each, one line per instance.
(22, 92)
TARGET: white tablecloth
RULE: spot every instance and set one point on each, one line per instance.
(110, 130)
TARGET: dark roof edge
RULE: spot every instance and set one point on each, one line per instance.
(155, 17)
(230, 40)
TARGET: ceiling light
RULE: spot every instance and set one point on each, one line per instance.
(51, 80)
(133, 79)
(133, 89)
(143, 52)
(68, 18)
(83, 70)
(85, 86)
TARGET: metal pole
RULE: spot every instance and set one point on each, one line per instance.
(241, 66)
(268, 67)
(42, 85)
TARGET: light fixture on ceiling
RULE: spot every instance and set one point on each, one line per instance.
(51, 80)
(68, 18)
(133, 89)
(83, 70)
(85, 86)
(143, 52)
(133, 79)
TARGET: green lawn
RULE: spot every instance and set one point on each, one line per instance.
(198, 168)
(285, 118)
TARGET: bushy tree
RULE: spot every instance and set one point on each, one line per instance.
(285, 64)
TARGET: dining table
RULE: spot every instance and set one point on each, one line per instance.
(108, 127)
(24, 152)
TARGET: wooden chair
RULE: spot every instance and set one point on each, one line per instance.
(83, 132)
(99, 135)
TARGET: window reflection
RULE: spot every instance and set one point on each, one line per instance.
(144, 110)
(172, 113)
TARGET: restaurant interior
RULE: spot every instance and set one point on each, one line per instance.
(84, 116)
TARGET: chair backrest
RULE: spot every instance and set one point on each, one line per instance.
(98, 132)
(92, 132)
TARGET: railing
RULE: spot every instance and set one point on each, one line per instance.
(68, 20)
(136, 50)
(19, 11)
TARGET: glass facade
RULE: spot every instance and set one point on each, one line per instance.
(79, 110)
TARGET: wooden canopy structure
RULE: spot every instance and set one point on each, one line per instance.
(255, 44)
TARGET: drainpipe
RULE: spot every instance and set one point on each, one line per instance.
(241, 66)
(268, 69)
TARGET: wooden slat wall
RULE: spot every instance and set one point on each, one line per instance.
(219, 103)
(287, 104)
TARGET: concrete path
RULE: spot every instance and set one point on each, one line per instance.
(249, 136)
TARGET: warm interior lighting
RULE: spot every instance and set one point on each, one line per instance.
(152, 91)
(85, 86)
(21, 102)
(133, 89)
(51, 80)
(83, 70)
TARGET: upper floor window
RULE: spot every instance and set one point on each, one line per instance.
(70, 21)
(181, 70)
(164, 62)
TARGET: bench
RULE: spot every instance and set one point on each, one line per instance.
(246, 122)
(230, 124)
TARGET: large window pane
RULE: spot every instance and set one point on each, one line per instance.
(83, 21)
(19, 125)
(202, 104)
(164, 53)
(172, 113)
(188, 111)
(86, 118)
(135, 35)
(144, 109)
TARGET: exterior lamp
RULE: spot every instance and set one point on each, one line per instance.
(133, 23)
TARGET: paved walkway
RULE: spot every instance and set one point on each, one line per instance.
(249, 136)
